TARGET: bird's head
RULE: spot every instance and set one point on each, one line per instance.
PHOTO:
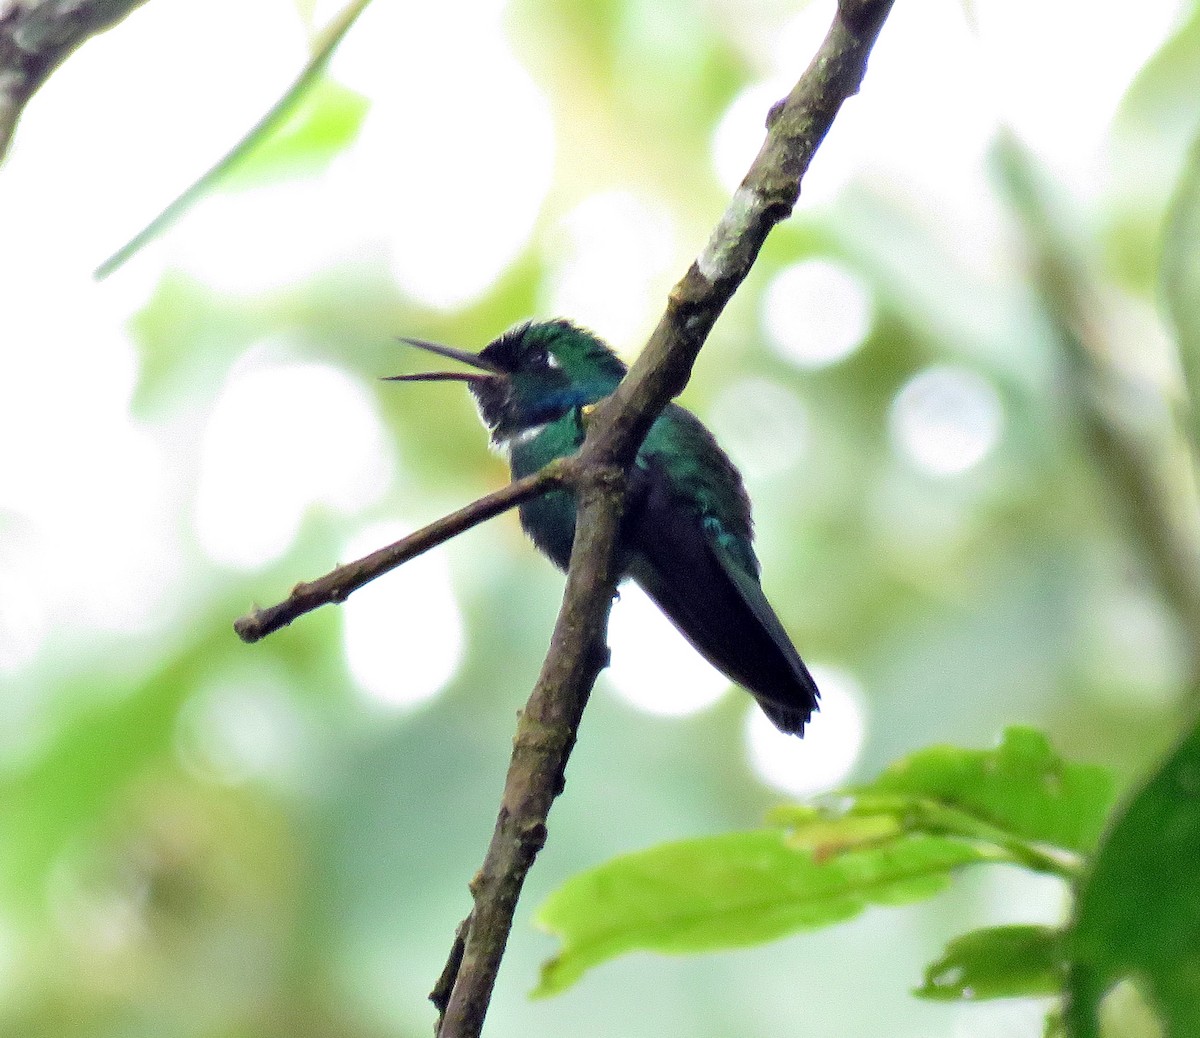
(532, 374)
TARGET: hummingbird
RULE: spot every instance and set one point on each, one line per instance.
(686, 537)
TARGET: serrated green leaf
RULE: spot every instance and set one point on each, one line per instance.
(997, 962)
(1022, 787)
(1138, 913)
(730, 891)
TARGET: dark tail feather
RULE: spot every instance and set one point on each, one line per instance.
(728, 620)
(715, 601)
(708, 610)
(788, 719)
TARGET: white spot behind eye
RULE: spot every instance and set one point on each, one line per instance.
(553, 362)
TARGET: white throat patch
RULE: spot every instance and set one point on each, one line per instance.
(518, 439)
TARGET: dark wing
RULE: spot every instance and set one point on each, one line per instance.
(699, 582)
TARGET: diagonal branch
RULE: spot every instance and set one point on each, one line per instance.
(337, 585)
(547, 727)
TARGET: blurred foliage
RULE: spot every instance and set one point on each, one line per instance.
(732, 890)
(899, 839)
(1138, 915)
(1181, 275)
(325, 121)
(997, 962)
(894, 840)
(309, 123)
(199, 838)
(1022, 787)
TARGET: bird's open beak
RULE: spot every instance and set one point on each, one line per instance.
(465, 356)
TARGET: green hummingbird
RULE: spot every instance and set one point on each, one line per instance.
(686, 536)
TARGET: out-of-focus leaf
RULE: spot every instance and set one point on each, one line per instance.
(1163, 93)
(1054, 1024)
(327, 120)
(80, 775)
(729, 891)
(1181, 275)
(323, 48)
(186, 336)
(997, 962)
(118, 731)
(1022, 786)
(1148, 145)
(1125, 1013)
(1138, 913)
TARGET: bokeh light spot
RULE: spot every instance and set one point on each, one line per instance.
(1066, 119)
(404, 631)
(454, 208)
(24, 609)
(653, 668)
(946, 419)
(241, 730)
(1003, 1018)
(740, 132)
(816, 313)
(85, 508)
(247, 242)
(1132, 649)
(762, 424)
(281, 438)
(611, 263)
(832, 741)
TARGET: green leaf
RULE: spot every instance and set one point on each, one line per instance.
(327, 120)
(1149, 139)
(1181, 276)
(730, 891)
(1022, 787)
(1054, 1024)
(1138, 913)
(998, 962)
(323, 47)
(1160, 98)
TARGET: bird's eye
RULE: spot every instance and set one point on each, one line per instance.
(539, 358)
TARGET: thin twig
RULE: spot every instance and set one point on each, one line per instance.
(547, 728)
(440, 995)
(338, 584)
(323, 47)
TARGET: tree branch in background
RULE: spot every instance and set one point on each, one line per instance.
(337, 585)
(36, 36)
(1128, 464)
(547, 727)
